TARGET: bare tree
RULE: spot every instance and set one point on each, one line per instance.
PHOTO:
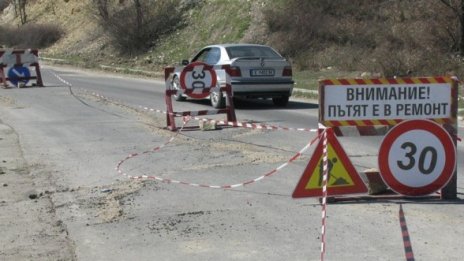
(139, 13)
(102, 7)
(20, 10)
(136, 25)
(457, 6)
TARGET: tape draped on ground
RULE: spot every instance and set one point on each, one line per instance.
(409, 254)
(229, 186)
(187, 118)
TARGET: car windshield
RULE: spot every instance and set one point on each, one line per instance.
(251, 51)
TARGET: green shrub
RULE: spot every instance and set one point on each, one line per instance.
(135, 29)
(393, 38)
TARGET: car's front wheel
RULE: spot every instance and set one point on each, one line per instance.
(217, 99)
(281, 101)
(176, 86)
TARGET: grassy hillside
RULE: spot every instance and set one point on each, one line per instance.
(322, 38)
(85, 41)
(82, 35)
(211, 22)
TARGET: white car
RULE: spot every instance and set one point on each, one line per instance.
(256, 71)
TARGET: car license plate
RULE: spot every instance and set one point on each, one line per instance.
(262, 72)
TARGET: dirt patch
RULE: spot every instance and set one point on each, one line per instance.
(252, 153)
(183, 224)
(7, 101)
(96, 205)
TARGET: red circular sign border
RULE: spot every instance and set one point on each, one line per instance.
(450, 157)
(206, 90)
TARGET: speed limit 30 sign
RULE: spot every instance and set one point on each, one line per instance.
(197, 78)
(417, 158)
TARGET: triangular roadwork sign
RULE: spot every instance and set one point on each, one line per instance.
(342, 177)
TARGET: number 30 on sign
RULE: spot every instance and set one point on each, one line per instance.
(417, 158)
(197, 78)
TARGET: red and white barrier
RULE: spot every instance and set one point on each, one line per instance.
(206, 82)
(20, 58)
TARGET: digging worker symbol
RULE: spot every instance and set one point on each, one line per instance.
(338, 180)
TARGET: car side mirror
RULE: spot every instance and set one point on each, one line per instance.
(185, 62)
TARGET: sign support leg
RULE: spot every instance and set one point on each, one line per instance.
(3, 77)
(230, 104)
(171, 123)
(450, 190)
(39, 76)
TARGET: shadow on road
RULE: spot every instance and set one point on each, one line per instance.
(397, 199)
(262, 104)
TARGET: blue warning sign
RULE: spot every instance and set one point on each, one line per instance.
(19, 74)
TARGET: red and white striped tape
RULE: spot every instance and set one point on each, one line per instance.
(61, 79)
(187, 113)
(409, 254)
(230, 186)
(193, 114)
(259, 126)
(324, 191)
(231, 123)
(235, 124)
(189, 116)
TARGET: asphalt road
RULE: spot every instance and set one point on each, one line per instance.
(67, 139)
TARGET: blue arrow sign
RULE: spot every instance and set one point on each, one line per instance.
(18, 74)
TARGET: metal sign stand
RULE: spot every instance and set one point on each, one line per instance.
(367, 127)
(171, 114)
(14, 58)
